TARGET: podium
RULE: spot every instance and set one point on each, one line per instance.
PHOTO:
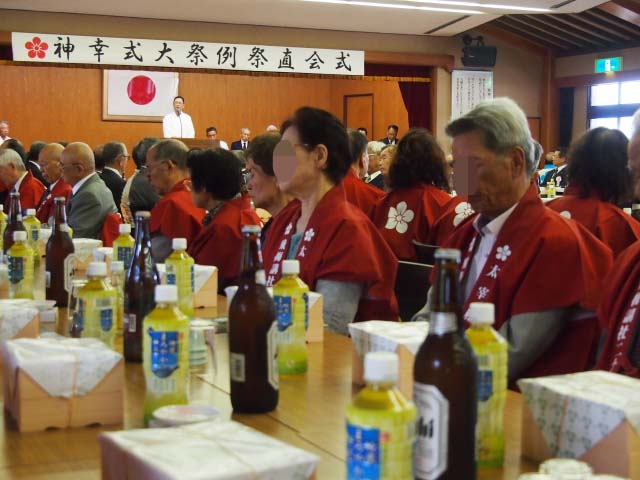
(202, 143)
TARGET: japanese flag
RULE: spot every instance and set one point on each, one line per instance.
(139, 92)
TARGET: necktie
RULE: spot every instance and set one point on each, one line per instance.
(45, 195)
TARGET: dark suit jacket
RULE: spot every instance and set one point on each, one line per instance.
(142, 196)
(237, 145)
(35, 171)
(378, 182)
(115, 183)
(89, 207)
(560, 178)
(386, 141)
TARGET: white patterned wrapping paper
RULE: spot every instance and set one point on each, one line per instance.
(385, 336)
(201, 273)
(14, 316)
(214, 450)
(84, 247)
(576, 411)
(63, 367)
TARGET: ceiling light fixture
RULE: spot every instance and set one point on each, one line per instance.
(481, 5)
(397, 6)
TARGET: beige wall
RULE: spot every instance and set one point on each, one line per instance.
(517, 74)
(585, 64)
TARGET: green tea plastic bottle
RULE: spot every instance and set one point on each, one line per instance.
(117, 282)
(32, 225)
(97, 303)
(166, 353)
(123, 246)
(21, 269)
(381, 424)
(3, 223)
(291, 297)
(180, 272)
(491, 351)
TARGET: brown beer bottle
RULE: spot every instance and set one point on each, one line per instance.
(139, 287)
(444, 389)
(59, 247)
(252, 334)
(14, 221)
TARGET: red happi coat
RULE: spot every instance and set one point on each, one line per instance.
(47, 206)
(606, 221)
(454, 214)
(176, 216)
(407, 214)
(31, 191)
(541, 261)
(360, 193)
(220, 242)
(618, 314)
(341, 244)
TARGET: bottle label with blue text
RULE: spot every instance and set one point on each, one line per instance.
(363, 453)
(16, 269)
(284, 312)
(105, 307)
(125, 255)
(164, 352)
(432, 431)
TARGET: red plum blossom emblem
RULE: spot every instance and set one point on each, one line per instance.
(37, 48)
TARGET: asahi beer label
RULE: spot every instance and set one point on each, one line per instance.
(432, 431)
(237, 367)
(272, 354)
(69, 265)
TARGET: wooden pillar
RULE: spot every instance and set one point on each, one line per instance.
(549, 106)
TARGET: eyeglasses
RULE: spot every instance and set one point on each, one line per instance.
(63, 166)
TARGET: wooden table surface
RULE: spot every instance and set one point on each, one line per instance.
(310, 415)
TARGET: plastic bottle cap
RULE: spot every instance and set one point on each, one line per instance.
(31, 212)
(97, 269)
(166, 293)
(447, 254)
(635, 206)
(250, 229)
(1, 208)
(124, 229)
(290, 267)
(179, 243)
(381, 367)
(19, 236)
(481, 312)
(117, 266)
(627, 210)
(143, 214)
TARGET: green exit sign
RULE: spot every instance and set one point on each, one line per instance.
(604, 65)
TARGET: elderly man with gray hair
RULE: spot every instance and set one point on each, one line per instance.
(542, 271)
(618, 312)
(14, 175)
(374, 175)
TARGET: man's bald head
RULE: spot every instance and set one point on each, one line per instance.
(77, 162)
(49, 160)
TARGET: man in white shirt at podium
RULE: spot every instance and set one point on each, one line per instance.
(178, 124)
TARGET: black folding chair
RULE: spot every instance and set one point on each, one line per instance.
(412, 285)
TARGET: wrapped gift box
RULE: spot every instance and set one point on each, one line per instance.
(315, 329)
(205, 283)
(590, 416)
(384, 336)
(62, 382)
(213, 450)
(77, 263)
(18, 319)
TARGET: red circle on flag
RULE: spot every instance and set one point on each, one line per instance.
(141, 90)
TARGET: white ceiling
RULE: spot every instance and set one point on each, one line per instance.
(305, 14)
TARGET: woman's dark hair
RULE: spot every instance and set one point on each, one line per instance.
(316, 127)
(216, 171)
(358, 144)
(34, 151)
(139, 152)
(418, 159)
(260, 151)
(598, 163)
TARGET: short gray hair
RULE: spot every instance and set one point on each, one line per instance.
(11, 157)
(375, 147)
(504, 126)
(111, 151)
(173, 150)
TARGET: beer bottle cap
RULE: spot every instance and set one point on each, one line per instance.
(166, 293)
(143, 214)
(290, 267)
(124, 229)
(31, 212)
(179, 243)
(447, 254)
(481, 312)
(97, 269)
(19, 236)
(250, 229)
(117, 266)
(381, 367)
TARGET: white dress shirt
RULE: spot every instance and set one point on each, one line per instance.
(81, 182)
(486, 240)
(174, 126)
(16, 187)
(223, 145)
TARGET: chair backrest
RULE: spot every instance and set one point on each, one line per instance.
(110, 229)
(412, 286)
(425, 252)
